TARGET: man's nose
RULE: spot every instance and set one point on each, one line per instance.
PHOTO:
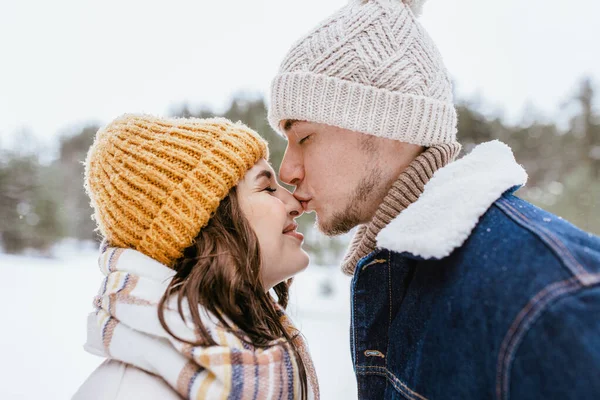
(291, 171)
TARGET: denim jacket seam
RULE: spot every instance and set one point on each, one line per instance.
(561, 252)
(390, 306)
(354, 330)
(397, 383)
(357, 272)
(532, 311)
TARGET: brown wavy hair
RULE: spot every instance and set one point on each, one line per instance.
(221, 272)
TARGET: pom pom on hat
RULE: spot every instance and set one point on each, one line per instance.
(415, 5)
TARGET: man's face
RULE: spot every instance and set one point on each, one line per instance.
(337, 173)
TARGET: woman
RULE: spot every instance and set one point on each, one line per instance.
(197, 232)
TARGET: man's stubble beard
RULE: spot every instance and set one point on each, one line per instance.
(355, 212)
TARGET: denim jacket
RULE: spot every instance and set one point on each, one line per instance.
(473, 293)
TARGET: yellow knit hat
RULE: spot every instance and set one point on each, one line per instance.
(154, 182)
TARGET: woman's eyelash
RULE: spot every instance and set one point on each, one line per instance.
(270, 189)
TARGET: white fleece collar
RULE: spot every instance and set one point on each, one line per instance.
(452, 202)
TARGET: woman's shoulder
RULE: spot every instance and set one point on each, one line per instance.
(114, 380)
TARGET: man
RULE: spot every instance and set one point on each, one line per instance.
(461, 290)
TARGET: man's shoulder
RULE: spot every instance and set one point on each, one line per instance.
(513, 230)
(515, 225)
(515, 251)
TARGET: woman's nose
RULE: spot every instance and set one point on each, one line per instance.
(294, 207)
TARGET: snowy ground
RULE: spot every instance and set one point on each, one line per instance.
(46, 302)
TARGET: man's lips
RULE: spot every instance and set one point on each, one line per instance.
(304, 200)
(305, 203)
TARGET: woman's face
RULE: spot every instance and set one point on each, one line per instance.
(271, 210)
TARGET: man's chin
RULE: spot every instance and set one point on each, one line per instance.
(333, 226)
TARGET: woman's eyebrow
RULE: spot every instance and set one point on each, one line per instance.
(265, 173)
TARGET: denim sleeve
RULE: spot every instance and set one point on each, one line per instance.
(559, 356)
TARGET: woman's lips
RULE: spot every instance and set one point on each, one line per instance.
(295, 234)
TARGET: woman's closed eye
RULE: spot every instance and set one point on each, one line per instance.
(270, 189)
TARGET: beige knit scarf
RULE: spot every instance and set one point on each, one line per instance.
(126, 327)
(405, 191)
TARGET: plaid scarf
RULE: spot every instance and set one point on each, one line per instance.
(125, 327)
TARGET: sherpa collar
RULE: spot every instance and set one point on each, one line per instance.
(452, 202)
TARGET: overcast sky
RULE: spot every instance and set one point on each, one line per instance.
(66, 62)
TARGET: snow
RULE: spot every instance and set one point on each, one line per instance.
(46, 302)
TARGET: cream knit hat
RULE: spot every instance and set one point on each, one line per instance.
(371, 68)
(155, 182)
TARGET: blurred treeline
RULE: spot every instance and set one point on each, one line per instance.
(42, 200)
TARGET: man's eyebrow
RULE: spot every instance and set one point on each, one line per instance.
(265, 173)
(289, 123)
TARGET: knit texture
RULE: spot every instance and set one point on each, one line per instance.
(154, 182)
(369, 68)
(405, 191)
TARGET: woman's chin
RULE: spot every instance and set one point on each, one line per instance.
(300, 264)
(298, 261)
(305, 262)
(299, 267)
